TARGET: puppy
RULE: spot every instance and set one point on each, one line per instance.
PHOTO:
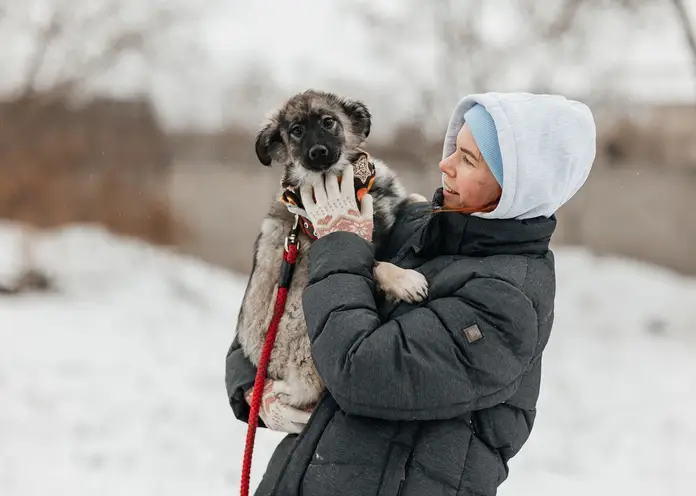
(311, 134)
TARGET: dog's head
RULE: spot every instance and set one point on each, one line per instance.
(314, 132)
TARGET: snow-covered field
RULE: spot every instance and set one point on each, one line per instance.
(115, 385)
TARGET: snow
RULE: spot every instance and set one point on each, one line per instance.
(115, 384)
(618, 392)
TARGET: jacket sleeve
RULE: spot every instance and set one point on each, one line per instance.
(451, 355)
(240, 374)
(408, 219)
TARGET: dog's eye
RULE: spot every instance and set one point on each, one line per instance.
(327, 122)
(296, 131)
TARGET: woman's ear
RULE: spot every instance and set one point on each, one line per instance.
(268, 141)
(359, 116)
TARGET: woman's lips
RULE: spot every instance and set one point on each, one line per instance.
(446, 189)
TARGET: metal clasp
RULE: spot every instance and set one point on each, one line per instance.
(292, 237)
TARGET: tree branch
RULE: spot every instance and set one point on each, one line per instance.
(45, 39)
(687, 27)
(133, 40)
(560, 25)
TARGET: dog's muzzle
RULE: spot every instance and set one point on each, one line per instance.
(320, 157)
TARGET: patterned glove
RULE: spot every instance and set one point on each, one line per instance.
(277, 415)
(335, 208)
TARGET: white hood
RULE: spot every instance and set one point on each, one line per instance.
(547, 144)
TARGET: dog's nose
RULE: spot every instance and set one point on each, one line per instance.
(318, 151)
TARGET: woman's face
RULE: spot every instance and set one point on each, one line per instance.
(467, 181)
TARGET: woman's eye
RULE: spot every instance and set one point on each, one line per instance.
(327, 122)
(296, 130)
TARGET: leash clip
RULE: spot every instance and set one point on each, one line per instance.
(292, 237)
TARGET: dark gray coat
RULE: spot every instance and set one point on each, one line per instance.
(432, 399)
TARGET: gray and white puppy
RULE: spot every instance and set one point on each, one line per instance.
(311, 134)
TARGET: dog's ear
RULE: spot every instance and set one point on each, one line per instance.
(267, 142)
(359, 116)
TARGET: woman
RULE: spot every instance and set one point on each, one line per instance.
(433, 398)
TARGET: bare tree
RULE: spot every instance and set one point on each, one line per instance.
(687, 27)
(70, 48)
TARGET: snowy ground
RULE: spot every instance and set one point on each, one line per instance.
(115, 385)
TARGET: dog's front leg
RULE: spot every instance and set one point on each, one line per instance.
(401, 284)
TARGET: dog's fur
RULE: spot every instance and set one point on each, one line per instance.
(313, 133)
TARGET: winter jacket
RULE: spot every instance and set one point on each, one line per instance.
(421, 399)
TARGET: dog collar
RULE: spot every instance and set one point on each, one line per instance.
(364, 178)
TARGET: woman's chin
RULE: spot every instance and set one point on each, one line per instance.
(450, 200)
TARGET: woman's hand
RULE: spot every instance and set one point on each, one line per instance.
(275, 413)
(334, 208)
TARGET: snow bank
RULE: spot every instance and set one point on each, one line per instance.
(115, 384)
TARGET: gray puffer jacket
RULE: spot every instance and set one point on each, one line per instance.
(429, 399)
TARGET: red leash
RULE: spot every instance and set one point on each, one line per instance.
(286, 269)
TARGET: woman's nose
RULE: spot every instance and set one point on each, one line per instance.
(446, 166)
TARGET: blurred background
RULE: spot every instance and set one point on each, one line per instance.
(130, 197)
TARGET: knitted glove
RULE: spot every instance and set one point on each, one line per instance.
(277, 415)
(335, 207)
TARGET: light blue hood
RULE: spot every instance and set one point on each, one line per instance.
(548, 145)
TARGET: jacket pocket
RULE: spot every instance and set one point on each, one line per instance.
(394, 476)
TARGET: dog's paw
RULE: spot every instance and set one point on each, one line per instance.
(282, 388)
(296, 393)
(416, 198)
(413, 286)
(401, 284)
